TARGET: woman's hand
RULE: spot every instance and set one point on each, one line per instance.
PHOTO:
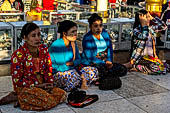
(69, 63)
(131, 62)
(149, 16)
(158, 60)
(144, 20)
(45, 86)
(84, 82)
(109, 64)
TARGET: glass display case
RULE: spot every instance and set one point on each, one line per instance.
(81, 8)
(64, 14)
(48, 33)
(114, 10)
(6, 41)
(111, 26)
(66, 5)
(125, 32)
(122, 11)
(27, 4)
(85, 15)
(83, 28)
(13, 16)
(126, 11)
(167, 35)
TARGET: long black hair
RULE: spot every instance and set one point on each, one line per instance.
(137, 20)
(65, 26)
(136, 24)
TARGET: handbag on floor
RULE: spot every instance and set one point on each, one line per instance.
(109, 77)
(79, 99)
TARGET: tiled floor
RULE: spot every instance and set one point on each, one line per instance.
(139, 94)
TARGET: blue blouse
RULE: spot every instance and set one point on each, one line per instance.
(90, 49)
(60, 55)
(101, 44)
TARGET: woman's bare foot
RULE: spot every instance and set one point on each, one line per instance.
(11, 97)
(128, 65)
(84, 83)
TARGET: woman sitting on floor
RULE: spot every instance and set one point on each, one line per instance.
(65, 58)
(97, 48)
(143, 53)
(31, 71)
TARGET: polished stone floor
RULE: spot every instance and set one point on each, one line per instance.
(139, 94)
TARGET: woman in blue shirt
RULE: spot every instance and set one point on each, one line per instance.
(97, 47)
(65, 57)
(95, 42)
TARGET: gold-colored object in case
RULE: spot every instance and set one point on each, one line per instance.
(155, 5)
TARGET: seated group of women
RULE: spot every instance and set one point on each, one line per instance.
(41, 76)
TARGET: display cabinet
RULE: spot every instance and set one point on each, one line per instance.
(122, 11)
(120, 30)
(48, 33)
(6, 41)
(81, 8)
(13, 16)
(85, 15)
(111, 26)
(66, 6)
(125, 32)
(114, 10)
(83, 28)
(167, 35)
(64, 14)
(27, 4)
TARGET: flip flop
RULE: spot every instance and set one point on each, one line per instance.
(89, 99)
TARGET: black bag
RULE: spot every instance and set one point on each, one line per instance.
(109, 77)
(79, 99)
(118, 70)
(109, 82)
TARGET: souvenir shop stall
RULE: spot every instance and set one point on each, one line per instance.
(6, 41)
(118, 19)
(48, 32)
(120, 30)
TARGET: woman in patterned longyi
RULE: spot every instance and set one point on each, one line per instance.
(31, 71)
(143, 52)
(65, 58)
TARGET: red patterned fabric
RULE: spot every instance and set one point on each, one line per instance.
(37, 99)
(23, 70)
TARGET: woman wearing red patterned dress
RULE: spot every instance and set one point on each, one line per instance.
(31, 71)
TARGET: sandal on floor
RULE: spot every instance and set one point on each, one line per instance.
(16, 104)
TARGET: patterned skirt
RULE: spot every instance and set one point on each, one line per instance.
(151, 67)
(37, 99)
(71, 79)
